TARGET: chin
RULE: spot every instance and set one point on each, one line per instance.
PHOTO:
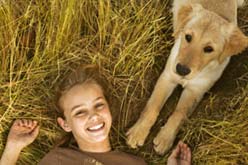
(99, 138)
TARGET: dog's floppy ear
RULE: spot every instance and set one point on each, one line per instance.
(236, 43)
(183, 16)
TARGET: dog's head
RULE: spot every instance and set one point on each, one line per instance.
(205, 36)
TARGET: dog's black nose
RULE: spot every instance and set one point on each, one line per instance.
(182, 70)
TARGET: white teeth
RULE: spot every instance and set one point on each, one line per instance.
(96, 127)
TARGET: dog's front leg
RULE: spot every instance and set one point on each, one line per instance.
(137, 134)
(187, 103)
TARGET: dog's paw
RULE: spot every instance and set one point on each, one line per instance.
(136, 135)
(163, 142)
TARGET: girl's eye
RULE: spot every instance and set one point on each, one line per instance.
(99, 106)
(80, 113)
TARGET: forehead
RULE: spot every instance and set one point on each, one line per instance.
(207, 26)
(80, 94)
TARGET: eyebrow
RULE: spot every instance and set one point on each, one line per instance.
(76, 106)
(80, 105)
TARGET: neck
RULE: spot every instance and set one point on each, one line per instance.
(96, 147)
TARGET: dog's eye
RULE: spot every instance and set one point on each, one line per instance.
(188, 37)
(208, 49)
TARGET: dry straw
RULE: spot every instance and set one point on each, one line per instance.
(129, 40)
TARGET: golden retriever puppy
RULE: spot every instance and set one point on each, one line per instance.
(206, 36)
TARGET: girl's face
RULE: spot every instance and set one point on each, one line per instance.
(86, 112)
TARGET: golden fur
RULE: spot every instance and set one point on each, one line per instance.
(206, 36)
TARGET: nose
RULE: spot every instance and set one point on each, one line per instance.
(182, 70)
(94, 116)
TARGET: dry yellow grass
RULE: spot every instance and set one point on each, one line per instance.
(130, 41)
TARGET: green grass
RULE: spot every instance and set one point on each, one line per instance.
(130, 41)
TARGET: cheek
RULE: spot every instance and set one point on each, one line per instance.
(107, 115)
(77, 123)
(203, 62)
(210, 57)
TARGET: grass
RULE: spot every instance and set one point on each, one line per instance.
(130, 41)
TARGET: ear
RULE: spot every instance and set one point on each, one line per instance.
(236, 43)
(63, 124)
(183, 16)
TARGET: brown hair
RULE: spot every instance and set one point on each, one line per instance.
(80, 75)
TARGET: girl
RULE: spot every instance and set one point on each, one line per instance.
(85, 113)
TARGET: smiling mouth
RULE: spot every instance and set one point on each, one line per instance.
(96, 127)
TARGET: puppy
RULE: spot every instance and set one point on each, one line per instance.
(206, 36)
